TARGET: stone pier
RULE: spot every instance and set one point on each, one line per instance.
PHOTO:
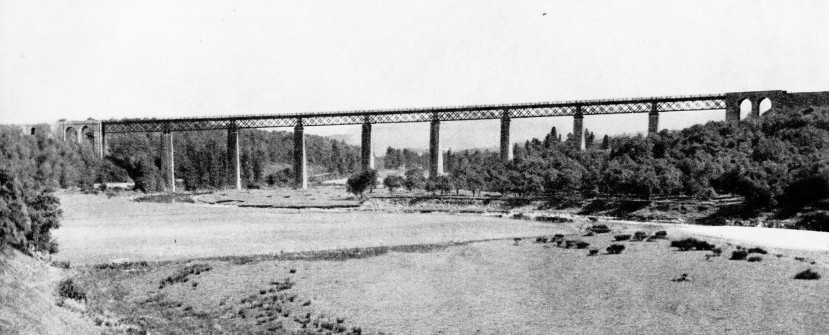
(300, 170)
(506, 149)
(578, 129)
(653, 119)
(435, 159)
(234, 176)
(168, 165)
(367, 159)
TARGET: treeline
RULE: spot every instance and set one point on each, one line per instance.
(779, 162)
(31, 167)
(266, 158)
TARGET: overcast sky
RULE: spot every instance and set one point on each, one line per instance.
(121, 59)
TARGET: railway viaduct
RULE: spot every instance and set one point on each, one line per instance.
(94, 132)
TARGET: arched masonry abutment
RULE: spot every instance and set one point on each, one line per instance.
(733, 101)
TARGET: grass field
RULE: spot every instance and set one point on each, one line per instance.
(99, 230)
(207, 284)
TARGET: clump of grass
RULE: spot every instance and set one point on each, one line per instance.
(757, 251)
(622, 237)
(599, 229)
(283, 285)
(68, 289)
(122, 265)
(61, 264)
(739, 255)
(807, 275)
(593, 252)
(682, 278)
(755, 259)
(615, 249)
(692, 244)
(182, 275)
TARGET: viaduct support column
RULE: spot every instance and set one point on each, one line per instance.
(653, 119)
(168, 166)
(300, 173)
(103, 149)
(755, 108)
(234, 177)
(732, 107)
(506, 149)
(435, 159)
(578, 129)
(367, 160)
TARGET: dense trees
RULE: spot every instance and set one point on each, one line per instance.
(778, 160)
(201, 158)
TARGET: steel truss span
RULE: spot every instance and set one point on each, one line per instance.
(460, 113)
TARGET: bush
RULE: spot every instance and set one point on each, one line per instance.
(639, 236)
(392, 182)
(623, 237)
(27, 217)
(807, 275)
(68, 289)
(582, 245)
(615, 249)
(357, 184)
(660, 234)
(599, 229)
(739, 255)
(553, 219)
(817, 220)
(692, 244)
(755, 259)
(757, 251)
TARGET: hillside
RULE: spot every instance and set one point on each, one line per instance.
(28, 296)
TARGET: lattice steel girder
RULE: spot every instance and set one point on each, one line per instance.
(482, 112)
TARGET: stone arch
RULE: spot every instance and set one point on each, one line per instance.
(70, 134)
(745, 108)
(765, 104)
(87, 136)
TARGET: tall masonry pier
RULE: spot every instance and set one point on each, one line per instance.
(94, 133)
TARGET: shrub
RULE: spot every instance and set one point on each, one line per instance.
(541, 239)
(692, 244)
(623, 237)
(817, 220)
(807, 275)
(660, 234)
(582, 245)
(181, 276)
(392, 182)
(599, 229)
(639, 236)
(739, 255)
(755, 259)
(615, 249)
(68, 289)
(553, 219)
(357, 184)
(757, 251)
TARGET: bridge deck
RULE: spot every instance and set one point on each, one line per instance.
(457, 113)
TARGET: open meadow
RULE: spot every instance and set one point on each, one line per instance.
(216, 269)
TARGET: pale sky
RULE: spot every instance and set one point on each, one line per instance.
(123, 59)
